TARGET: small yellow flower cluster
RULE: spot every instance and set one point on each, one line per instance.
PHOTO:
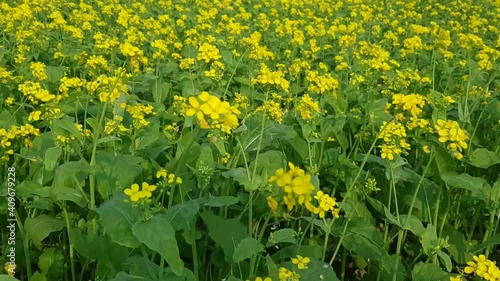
(269, 77)
(38, 70)
(306, 107)
(301, 262)
(273, 109)
(96, 62)
(450, 131)
(241, 100)
(326, 204)
(109, 87)
(170, 178)
(8, 136)
(139, 113)
(261, 279)
(140, 196)
(212, 113)
(68, 83)
(208, 52)
(115, 126)
(297, 186)
(4, 75)
(321, 84)
(34, 92)
(11, 268)
(394, 136)
(484, 268)
(285, 274)
(412, 103)
(135, 54)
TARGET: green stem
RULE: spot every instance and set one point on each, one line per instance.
(340, 243)
(27, 258)
(71, 250)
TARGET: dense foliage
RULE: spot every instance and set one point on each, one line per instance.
(250, 140)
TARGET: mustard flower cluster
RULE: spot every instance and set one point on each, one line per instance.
(212, 113)
(412, 103)
(140, 195)
(451, 133)
(208, 52)
(484, 268)
(168, 177)
(268, 77)
(394, 137)
(307, 107)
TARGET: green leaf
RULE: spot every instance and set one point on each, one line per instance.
(181, 216)
(227, 233)
(429, 240)
(37, 276)
(478, 186)
(62, 194)
(483, 158)
(148, 135)
(65, 127)
(388, 265)
(160, 92)
(285, 235)
(247, 248)
(49, 257)
(115, 172)
(118, 217)
(492, 241)
(40, 227)
(444, 161)
(428, 272)
(457, 244)
(122, 276)
(101, 248)
(159, 236)
(272, 268)
(412, 224)
(51, 158)
(55, 73)
(221, 201)
(5, 277)
(318, 270)
(363, 238)
(446, 260)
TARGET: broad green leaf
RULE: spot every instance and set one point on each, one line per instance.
(247, 248)
(318, 270)
(272, 269)
(54, 73)
(484, 158)
(300, 146)
(159, 236)
(221, 201)
(51, 158)
(391, 265)
(5, 277)
(227, 233)
(205, 166)
(429, 240)
(40, 227)
(148, 135)
(428, 272)
(285, 235)
(160, 92)
(118, 217)
(49, 257)
(355, 209)
(363, 238)
(62, 194)
(412, 224)
(457, 244)
(65, 127)
(181, 215)
(444, 161)
(37, 276)
(100, 247)
(477, 186)
(115, 173)
(67, 173)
